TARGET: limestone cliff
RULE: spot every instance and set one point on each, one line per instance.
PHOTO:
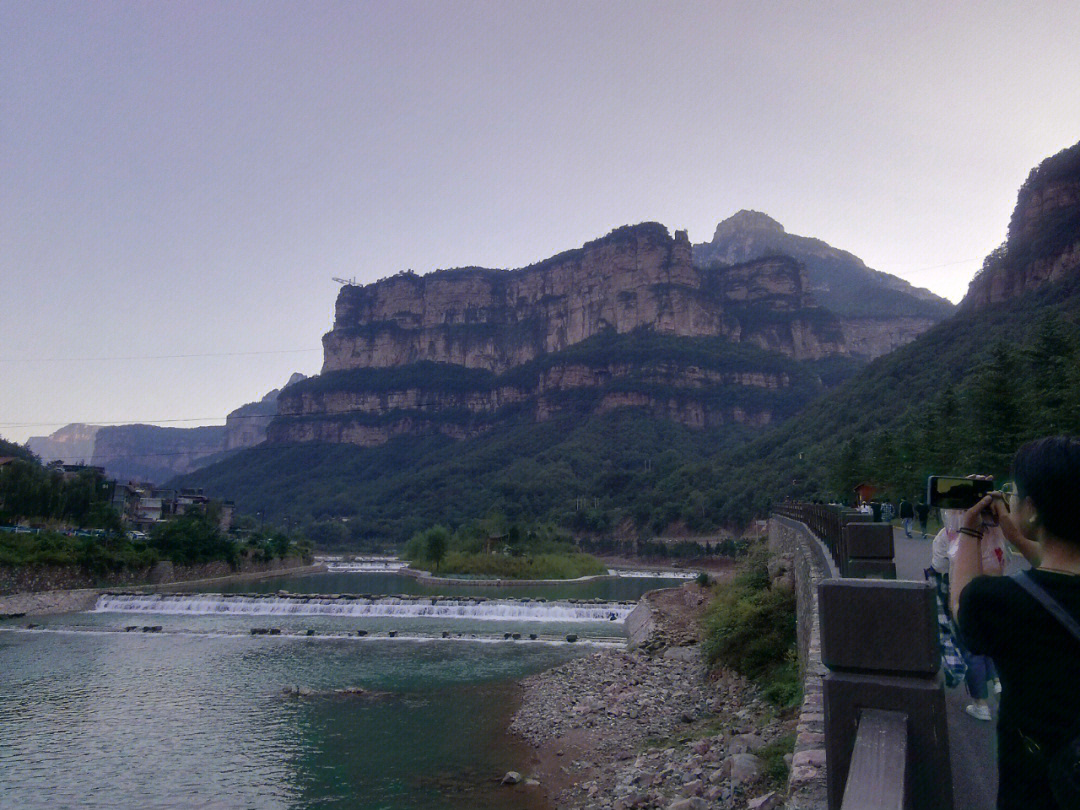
(636, 276)
(71, 444)
(624, 321)
(1043, 243)
(877, 312)
(155, 454)
(246, 426)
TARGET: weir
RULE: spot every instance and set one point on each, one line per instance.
(366, 566)
(353, 606)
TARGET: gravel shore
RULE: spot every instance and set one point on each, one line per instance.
(648, 728)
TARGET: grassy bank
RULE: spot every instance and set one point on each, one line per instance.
(536, 553)
(750, 628)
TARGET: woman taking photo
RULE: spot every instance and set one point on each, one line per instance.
(1037, 657)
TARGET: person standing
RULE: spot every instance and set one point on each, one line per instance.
(1036, 654)
(907, 514)
(923, 512)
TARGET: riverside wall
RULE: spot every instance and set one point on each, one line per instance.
(811, 564)
(39, 590)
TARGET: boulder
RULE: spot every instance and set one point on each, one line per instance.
(692, 803)
(744, 743)
(693, 788)
(770, 801)
(745, 768)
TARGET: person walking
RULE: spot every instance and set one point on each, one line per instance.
(907, 514)
(923, 511)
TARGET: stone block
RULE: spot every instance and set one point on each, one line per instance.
(868, 541)
(879, 626)
(922, 699)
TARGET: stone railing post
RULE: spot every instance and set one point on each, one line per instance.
(879, 641)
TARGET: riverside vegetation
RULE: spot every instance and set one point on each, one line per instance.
(77, 527)
(478, 549)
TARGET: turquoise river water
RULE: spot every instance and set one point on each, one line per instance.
(96, 715)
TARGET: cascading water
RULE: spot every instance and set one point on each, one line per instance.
(362, 606)
(365, 566)
(635, 573)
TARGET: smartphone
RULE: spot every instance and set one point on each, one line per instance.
(944, 492)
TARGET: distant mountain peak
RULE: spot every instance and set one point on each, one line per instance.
(744, 221)
(839, 280)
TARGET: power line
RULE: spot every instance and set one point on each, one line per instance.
(149, 356)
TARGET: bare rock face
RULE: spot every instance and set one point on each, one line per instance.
(456, 351)
(637, 276)
(246, 426)
(878, 311)
(71, 444)
(1043, 244)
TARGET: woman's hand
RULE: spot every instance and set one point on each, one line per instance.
(991, 505)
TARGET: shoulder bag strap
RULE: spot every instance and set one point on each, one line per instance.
(1022, 579)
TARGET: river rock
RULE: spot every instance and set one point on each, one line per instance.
(770, 801)
(745, 768)
(744, 743)
(692, 803)
(511, 778)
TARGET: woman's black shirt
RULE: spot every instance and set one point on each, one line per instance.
(1038, 662)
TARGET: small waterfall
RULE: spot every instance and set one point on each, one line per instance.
(365, 566)
(203, 604)
(635, 573)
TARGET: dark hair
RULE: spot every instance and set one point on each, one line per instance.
(1048, 471)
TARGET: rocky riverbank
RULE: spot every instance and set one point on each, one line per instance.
(649, 728)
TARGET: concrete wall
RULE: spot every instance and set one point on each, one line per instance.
(812, 563)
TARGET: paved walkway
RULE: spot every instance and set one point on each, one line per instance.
(972, 743)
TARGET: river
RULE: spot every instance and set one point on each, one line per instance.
(97, 713)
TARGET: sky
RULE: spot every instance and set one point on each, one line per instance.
(181, 182)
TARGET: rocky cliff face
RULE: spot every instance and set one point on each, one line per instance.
(152, 453)
(155, 454)
(624, 321)
(1043, 243)
(71, 444)
(636, 276)
(246, 426)
(877, 312)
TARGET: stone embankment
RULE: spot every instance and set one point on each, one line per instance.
(45, 590)
(648, 728)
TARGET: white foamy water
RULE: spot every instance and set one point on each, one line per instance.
(359, 607)
(365, 566)
(634, 573)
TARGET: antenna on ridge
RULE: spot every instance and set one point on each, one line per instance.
(348, 282)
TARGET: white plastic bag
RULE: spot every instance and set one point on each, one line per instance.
(992, 544)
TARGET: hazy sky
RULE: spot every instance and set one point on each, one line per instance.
(186, 178)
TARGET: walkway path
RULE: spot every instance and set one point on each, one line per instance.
(972, 743)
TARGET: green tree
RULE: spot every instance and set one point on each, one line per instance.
(994, 405)
(436, 542)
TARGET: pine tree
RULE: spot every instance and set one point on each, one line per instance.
(993, 403)
(1050, 399)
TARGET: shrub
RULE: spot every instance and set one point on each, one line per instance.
(750, 627)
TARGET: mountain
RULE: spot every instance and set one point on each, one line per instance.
(246, 426)
(1043, 243)
(155, 454)
(624, 321)
(877, 312)
(71, 444)
(152, 453)
(958, 399)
